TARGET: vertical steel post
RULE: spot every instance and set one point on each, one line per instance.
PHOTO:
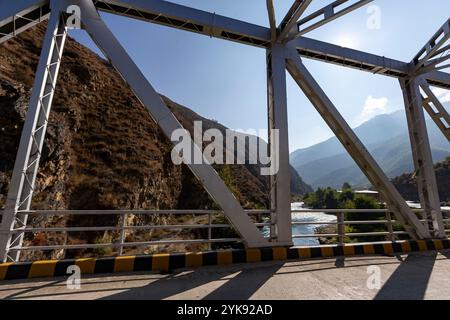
(341, 228)
(27, 161)
(423, 162)
(209, 231)
(390, 227)
(123, 224)
(280, 192)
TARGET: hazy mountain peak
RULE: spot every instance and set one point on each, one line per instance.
(386, 137)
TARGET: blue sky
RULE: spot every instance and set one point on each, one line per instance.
(226, 81)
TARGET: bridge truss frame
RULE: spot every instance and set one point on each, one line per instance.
(285, 46)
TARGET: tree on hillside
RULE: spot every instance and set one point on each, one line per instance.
(346, 186)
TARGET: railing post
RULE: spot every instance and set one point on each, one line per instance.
(390, 226)
(341, 228)
(122, 232)
(209, 230)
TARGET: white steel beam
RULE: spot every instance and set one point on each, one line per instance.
(162, 115)
(436, 61)
(351, 58)
(27, 161)
(9, 9)
(423, 161)
(290, 20)
(327, 52)
(435, 64)
(280, 185)
(178, 16)
(272, 20)
(355, 147)
(438, 79)
(432, 47)
(195, 20)
(19, 15)
(190, 19)
(435, 109)
(329, 14)
(182, 17)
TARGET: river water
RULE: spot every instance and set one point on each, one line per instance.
(305, 229)
(310, 228)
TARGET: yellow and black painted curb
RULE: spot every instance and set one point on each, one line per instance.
(168, 262)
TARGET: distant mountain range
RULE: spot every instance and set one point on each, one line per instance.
(385, 136)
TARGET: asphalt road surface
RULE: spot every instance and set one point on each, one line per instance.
(414, 276)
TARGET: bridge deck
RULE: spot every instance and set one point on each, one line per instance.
(414, 276)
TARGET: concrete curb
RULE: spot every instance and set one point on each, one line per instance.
(167, 262)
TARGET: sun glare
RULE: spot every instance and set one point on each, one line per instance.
(345, 40)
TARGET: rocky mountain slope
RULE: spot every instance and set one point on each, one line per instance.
(407, 183)
(102, 149)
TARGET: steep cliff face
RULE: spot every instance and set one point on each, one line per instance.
(102, 149)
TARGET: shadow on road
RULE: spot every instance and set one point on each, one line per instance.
(245, 284)
(410, 280)
(230, 286)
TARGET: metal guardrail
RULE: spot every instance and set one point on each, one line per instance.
(340, 224)
(122, 227)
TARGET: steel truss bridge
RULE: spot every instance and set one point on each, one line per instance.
(286, 46)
